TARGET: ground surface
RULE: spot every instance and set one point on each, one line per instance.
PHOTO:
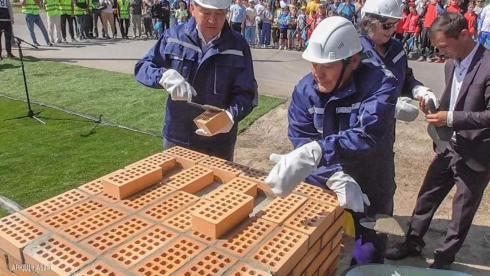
(277, 72)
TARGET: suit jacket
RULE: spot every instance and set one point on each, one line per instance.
(471, 117)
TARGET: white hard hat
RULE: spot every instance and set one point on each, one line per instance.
(282, 4)
(214, 4)
(334, 39)
(385, 8)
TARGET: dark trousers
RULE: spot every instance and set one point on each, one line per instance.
(6, 29)
(96, 17)
(90, 24)
(148, 26)
(425, 44)
(66, 18)
(116, 19)
(237, 27)
(82, 26)
(445, 171)
(124, 26)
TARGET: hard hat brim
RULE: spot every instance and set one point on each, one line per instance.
(224, 7)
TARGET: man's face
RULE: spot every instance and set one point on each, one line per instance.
(448, 46)
(210, 21)
(326, 75)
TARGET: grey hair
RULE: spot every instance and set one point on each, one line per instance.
(366, 25)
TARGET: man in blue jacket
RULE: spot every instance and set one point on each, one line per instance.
(202, 61)
(340, 119)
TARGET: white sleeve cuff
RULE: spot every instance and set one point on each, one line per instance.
(449, 119)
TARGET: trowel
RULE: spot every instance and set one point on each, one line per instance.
(383, 224)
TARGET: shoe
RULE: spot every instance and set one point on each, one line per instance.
(439, 60)
(421, 59)
(64, 41)
(10, 55)
(401, 251)
(58, 41)
(440, 265)
(50, 44)
(37, 44)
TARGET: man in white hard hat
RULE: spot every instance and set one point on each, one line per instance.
(340, 116)
(202, 61)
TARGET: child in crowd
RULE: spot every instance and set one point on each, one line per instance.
(301, 30)
(250, 15)
(147, 21)
(292, 26)
(472, 19)
(310, 24)
(283, 21)
(265, 34)
(412, 30)
(454, 7)
(275, 24)
(181, 14)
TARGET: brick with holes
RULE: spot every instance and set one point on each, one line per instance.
(282, 251)
(100, 268)
(258, 177)
(318, 194)
(281, 208)
(53, 205)
(305, 262)
(60, 256)
(164, 161)
(169, 206)
(244, 269)
(146, 197)
(133, 251)
(313, 267)
(238, 184)
(332, 230)
(209, 262)
(73, 214)
(128, 181)
(217, 217)
(224, 170)
(185, 157)
(182, 221)
(115, 234)
(192, 180)
(93, 187)
(91, 224)
(16, 231)
(330, 261)
(247, 236)
(170, 259)
(313, 219)
(211, 122)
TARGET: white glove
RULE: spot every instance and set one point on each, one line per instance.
(423, 92)
(348, 192)
(294, 167)
(225, 129)
(176, 86)
(405, 111)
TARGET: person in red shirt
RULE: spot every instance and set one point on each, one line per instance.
(472, 19)
(454, 7)
(431, 12)
(400, 28)
(412, 29)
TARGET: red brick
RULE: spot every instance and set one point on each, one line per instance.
(312, 269)
(92, 224)
(99, 268)
(128, 181)
(332, 270)
(258, 177)
(185, 157)
(327, 264)
(132, 252)
(282, 251)
(247, 236)
(93, 187)
(170, 205)
(3, 261)
(217, 217)
(116, 234)
(182, 221)
(73, 214)
(211, 121)
(282, 207)
(337, 238)
(243, 269)
(318, 194)
(192, 180)
(223, 170)
(332, 230)
(307, 259)
(243, 185)
(16, 232)
(19, 268)
(162, 160)
(60, 256)
(55, 204)
(209, 262)
(171, 258)
(147, 197)
(201, 238)
(313, 219)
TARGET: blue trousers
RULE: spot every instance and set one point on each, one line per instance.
(36, 19)
(485, 39)
(250, 35)
(265, 35)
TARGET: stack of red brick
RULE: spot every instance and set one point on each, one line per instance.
(178, 212)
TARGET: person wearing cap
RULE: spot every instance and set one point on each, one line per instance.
(205, 62)
(340, 118)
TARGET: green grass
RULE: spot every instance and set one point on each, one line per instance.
(3, 213)
(116, 96)
(40, 161)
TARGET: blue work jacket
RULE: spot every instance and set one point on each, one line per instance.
(352, 124)
(222, 76)
(394, 60)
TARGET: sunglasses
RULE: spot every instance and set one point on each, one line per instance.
(389, 26)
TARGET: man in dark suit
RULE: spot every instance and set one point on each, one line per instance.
(464, 160)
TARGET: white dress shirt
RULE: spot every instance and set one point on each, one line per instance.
(205, 45)
(460, 70)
